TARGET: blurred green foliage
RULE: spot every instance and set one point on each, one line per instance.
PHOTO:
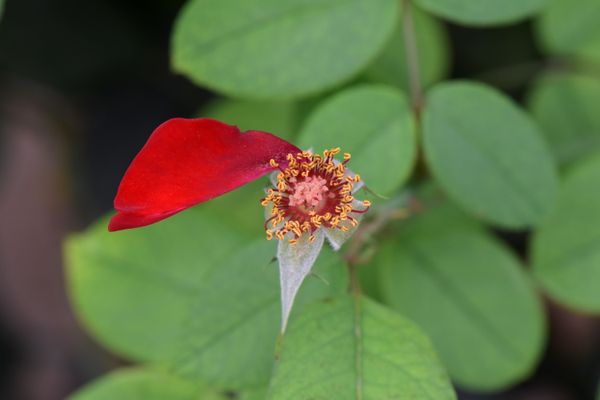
(265, 49)
(433, 58)
(145, 384)
(482, 12)
(447, 273)
(375, 125)
(488, 154)
(566, 255)
(565, 105)
(283, 117)
(571, 31)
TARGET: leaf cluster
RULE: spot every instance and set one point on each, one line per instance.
(194, 299)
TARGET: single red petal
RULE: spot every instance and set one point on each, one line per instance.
(189, 161)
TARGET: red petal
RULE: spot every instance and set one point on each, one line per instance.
(188, 161)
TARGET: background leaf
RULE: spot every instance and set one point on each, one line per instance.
(432, 43)
(233, 326)
(569, 30)
(566, 249)
(374, 124)
(253, 394)
(482, 12)
(133, 288)
(240, 209)
(266, 49)
(190, 293)
(278, 118)
(565, 106)
(144, 384)
(366, 348)
(468, 293)
(488, 154)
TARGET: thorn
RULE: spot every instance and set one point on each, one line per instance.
(272, 260)
(319, 277)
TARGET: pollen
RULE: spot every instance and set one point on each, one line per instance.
(309, 193)
(312, 191)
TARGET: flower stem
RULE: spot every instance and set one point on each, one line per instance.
(353, 276)
(358, 333)
(412, 58)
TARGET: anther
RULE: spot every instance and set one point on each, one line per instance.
(312, 191)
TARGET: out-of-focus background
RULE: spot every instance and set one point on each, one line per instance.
(82, 85)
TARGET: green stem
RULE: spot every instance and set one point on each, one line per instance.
(412, 58)
(358, 335)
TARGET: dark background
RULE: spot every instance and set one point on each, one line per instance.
(82, 85)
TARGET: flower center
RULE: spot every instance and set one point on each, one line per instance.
(312, 191)
(309, 193)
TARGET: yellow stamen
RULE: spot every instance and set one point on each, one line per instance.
(312, 191)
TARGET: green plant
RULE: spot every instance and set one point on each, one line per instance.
(195, 299)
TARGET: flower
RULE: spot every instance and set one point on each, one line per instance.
(188, 161)
(313, 192)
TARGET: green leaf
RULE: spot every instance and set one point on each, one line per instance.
(144, 384)
(469, 293)
(566, 249)
(565, 106)
(265, 49)
(483, 12)
(133, 288)
(231, 334)
(374, 123)
(356, 349)
(278, 118)
(391, 66)
(188, 292)
(241, 209)
(569, 30)
(253, 394)
(488, 154)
